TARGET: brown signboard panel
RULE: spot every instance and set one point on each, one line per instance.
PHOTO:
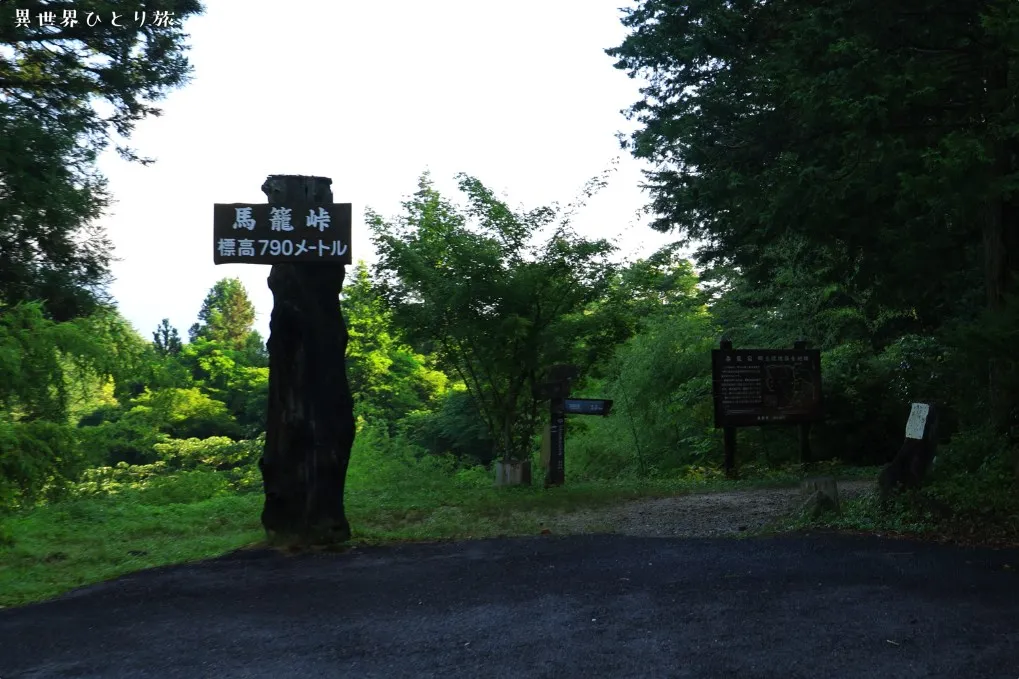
(263, 233)
(766, 386)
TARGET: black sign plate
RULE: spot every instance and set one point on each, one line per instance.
(587, 406)
(263, 233)
(766, 386)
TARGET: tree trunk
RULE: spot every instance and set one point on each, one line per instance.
(310, 423)
(1001, 243)
(909, 466)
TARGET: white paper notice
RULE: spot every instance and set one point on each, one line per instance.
(917, 421)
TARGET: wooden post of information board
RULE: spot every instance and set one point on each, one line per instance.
(805, 453)
(729, 433)
(310, 423)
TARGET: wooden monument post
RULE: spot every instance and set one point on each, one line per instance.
(310, 420)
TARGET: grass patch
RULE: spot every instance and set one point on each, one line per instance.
(54, 549)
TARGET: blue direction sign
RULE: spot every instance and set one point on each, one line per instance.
(587, 406)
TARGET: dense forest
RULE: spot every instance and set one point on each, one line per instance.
(847, 173)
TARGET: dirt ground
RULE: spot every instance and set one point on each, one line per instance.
(696, 514)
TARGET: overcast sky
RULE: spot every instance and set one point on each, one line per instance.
(519, 94)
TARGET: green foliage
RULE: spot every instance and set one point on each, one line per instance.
(186, 487)
(227, 375)
(863, 421)
(858, 128)
(185, 413)
(34, 358)
(166, 339)
(131, 434)
(226, 318)
(497, 295)
(455, 427)
(118, 351)
(104, 481)
(387, 378)
(975, 477)
(124, 437)
(38, 460)
(67, 91)
(215, 452)
(850, 172)
(662, 418)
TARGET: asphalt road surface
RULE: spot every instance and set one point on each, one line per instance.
(817, 606)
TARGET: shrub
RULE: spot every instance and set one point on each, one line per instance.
(456, 427)
(187, 413)
(218, 452)
(105, 481)
(975, 475)
(183, 487)
(131, 439)
(38, 460)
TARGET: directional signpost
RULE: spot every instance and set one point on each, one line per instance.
(556, 389)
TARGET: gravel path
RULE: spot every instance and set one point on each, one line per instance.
(695, 514)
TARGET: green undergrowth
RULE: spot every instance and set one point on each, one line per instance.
(970, 496)
(921, 515)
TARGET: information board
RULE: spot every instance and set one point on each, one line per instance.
(766, 386)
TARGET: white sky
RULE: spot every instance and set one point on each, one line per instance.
(519, 94)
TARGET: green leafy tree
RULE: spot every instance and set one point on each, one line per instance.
(38, 355)
(227, 375)
(660, 380)
(65, 92)
(388, 379)
(166, 339)
(44, 366)
(454, 427)
(873, 142)
(498, 296)
(664, 283)
(226, 316)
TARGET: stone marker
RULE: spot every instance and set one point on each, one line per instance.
(820, 496)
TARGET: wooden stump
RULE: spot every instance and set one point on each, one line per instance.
(910, 465)
(820, 496)
(310, 423)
